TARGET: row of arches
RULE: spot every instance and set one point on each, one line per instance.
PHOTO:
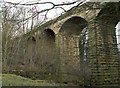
(82, 50)
(78, 45)
(79, 24)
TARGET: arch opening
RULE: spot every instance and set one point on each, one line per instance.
(47, 54)
(83, 44)
(73, 26)
(77, 26)
(49, 34)
(118, 35)
(73, 40)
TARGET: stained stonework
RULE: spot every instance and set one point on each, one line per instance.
(69, 58)
(55, 50)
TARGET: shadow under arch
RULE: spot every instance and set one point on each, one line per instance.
(69, 38)
(108, 18)
(47, 55)
(49, 34)
(73, 26)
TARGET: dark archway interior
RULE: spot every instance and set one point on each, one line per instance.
(49, 34)
(73, 26)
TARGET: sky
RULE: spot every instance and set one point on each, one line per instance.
(56, 1)
(52, 13)
(118, 33)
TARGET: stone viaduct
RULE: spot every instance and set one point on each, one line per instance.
(80, 47)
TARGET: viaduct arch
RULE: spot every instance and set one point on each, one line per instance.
(63, 37)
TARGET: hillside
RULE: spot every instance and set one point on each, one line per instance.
(14, 80)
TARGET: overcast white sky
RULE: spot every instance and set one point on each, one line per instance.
(23, 1)
(51, 13)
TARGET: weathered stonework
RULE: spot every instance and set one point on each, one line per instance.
(53, 49)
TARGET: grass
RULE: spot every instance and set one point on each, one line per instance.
(14, 80)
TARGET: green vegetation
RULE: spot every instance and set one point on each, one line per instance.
(14, 80)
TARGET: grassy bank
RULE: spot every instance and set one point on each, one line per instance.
(14, 80)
